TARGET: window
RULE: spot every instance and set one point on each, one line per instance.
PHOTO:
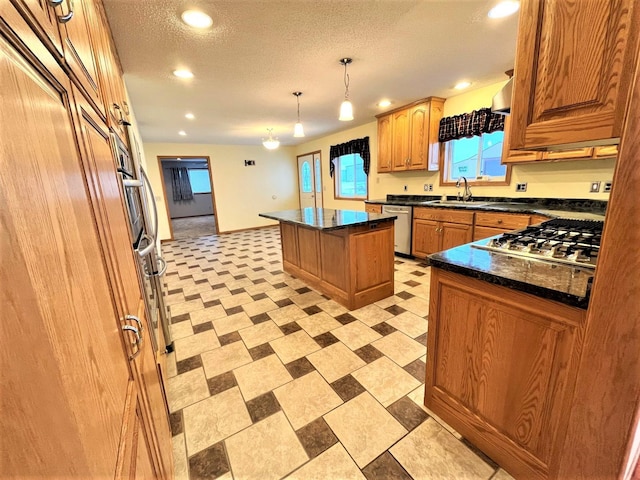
(199, 178)
(351, 181)
(306, 178)
(476, 158)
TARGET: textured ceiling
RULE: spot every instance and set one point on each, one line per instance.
(258, 52)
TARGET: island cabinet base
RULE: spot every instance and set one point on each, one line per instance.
(501, 369)
(353, 266)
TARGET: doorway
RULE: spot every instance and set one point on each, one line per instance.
(310, 180)
(187, 185)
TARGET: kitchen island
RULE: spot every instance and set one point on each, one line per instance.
(345, 254)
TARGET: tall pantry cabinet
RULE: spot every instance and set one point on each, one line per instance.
(81, 395)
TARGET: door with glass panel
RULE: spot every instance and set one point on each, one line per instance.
(310, 180)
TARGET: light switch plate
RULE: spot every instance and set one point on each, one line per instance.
(595, 187)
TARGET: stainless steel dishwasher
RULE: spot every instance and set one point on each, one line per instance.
(402, 241)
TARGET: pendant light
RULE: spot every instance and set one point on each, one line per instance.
(346, 109)
(271, 143)
(298, 130)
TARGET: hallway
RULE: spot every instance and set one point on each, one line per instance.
(193, 227)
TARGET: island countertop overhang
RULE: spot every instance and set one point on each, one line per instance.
(327, 218)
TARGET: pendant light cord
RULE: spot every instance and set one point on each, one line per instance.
(298, 99)
(346, 82)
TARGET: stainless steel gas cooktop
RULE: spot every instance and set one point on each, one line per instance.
(573, 242)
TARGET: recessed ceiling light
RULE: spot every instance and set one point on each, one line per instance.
(190, 116)
(462, 85)
(504, 9)
(183, 73)
(384, 103)
(196, 19)
(182, 133)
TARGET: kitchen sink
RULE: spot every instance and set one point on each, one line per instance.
(459, 202)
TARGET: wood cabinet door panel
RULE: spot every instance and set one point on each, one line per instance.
(572, 71)
(385, 144)
(289, 240)
(419, 136)
(454, 234)
(309, 250)
(59, 318)
(369, 268)
(426, 238)
(400, 155)
(335, 270)
(44, 16)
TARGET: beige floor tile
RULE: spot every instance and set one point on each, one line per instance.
(319, 323)
(294, 282)
(417, 396)
(186, 307)
(207, 314)
(385, 380)
(231, 323)
(287, 314)
(371, 315)
(269, 449)
(306, 398)
(235, 284)
(259, 288)
(416, 305)
(409, 323)
(281, 293)
(333, 308)
(181, 330)
(261, 376)
(294, 346)
(356, 334)
(216, 294)
(261, 333)
(225, 358)
(214, 419)
(389, 301)
(180, 466)
(261, 306)
(236, 300)
(195, 344)
(172, 368)
(365, 428)
(186, 389)
(502, 475)
(400, 348)
(399, 287)
(335, 463)
(402, 276)
(335, 361)
(430, 452)
(174, 298)
(421, 290)
(305, 300)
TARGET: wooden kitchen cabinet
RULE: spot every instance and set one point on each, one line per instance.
(69, 284)
(372, 208)
(573, 72)
(435, 230)
(45, 17)
(408, 137)
(488, 224)
(501, 369)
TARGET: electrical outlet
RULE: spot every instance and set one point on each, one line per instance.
(521, 187)
(405, 188)
(595, 187)
(428, 187)
(607, 187)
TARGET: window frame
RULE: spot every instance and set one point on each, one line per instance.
(442, 159)
(336, 181)
(210, 192)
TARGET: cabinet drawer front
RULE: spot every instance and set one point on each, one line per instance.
(485, 232)
(372, 208)
(501, 220)
(443, 215)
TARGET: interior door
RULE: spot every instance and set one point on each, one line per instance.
(317, 177)
(306, 182)
(63, 372)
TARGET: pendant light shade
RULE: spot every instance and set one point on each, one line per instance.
(298, 130)
(271, 143)
(346, 109)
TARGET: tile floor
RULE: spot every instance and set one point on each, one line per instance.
(271, 379)
(192, 227)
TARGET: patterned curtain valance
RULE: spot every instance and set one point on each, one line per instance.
(359, 145)
(470, 124)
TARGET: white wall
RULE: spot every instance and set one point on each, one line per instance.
(240, 192)
(545, 180)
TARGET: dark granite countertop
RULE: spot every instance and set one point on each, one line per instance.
(326, 218)
(565, 284)
(583, 209)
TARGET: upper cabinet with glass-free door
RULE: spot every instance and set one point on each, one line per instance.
(573, 72)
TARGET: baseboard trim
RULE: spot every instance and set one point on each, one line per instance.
(247, 229)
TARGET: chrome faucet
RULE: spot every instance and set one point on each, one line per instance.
(466, 196)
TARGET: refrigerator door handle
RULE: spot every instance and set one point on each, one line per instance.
(149, 248)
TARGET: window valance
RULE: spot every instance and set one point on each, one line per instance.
(359, 145)
(470, 124)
